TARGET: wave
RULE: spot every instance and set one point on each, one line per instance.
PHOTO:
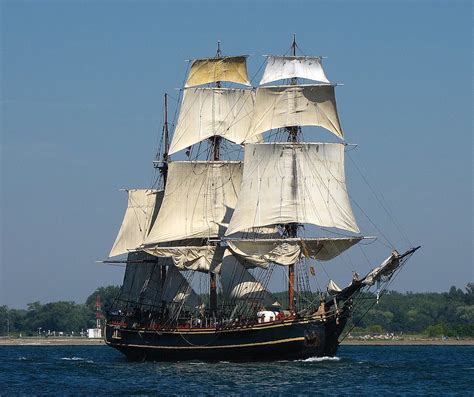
(319, 359)
(74, 358)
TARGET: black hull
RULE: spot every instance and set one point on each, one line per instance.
(285, 340)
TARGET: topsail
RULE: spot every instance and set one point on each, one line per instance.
(211, 70)
(289, 67)
(207, 112)
(298, 105)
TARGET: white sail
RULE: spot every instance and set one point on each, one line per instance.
(211, 70)
(385, 270)
(288, 67)
(289, 251)
(198, 202)
(143, 205)
(293, 182)
(299, 105)
(206, 112)
(238, 283)
(333, 288)
(176, 289)
(206, 259)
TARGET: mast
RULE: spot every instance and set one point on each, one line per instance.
(215, 144)
(165, 157)
(313, 188)
(164, 173)
(292, 228)
(216, 139)
(207, 113)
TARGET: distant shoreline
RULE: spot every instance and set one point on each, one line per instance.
(408, 342)
(51, 342)
(351, 342)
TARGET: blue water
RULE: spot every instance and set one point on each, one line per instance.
(357, 370)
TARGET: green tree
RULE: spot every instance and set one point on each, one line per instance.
(107, 296)
(59, 316)
(435, 330)
(469, 296)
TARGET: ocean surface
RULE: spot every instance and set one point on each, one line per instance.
(357, 370)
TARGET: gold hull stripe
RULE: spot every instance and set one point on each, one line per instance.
(276, 342)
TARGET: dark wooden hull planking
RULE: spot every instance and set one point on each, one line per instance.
(279, 340)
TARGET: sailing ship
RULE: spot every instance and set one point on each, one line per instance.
(203, 242)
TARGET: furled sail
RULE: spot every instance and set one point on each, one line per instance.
(206, 112)
(289, 251)
(288, 67)
(333, 288)
(206, 259)
(385, 270)
(142, 209)
(238, 283)
(293, 182)
(299, 105)
(198, 202)
(211, 70)
(176, 289)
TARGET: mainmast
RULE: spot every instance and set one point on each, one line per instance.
(292, 228)
(291, 183)
(293, 130)
(215, 142)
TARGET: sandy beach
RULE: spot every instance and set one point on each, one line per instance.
(50, 341)
(409, 342)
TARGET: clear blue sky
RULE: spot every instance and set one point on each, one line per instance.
(81, 92)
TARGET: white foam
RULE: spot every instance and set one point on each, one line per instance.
(73, 358)
(319, 359)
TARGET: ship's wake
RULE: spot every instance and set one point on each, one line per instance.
(319, 359)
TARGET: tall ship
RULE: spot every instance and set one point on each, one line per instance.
(250, 201)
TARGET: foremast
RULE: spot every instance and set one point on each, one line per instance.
(164, 173)
(201, 193)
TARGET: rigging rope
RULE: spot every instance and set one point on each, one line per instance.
(380, 200)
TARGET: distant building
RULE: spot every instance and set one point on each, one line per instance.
(94, 333)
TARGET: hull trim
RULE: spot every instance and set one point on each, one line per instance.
(275, 342)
